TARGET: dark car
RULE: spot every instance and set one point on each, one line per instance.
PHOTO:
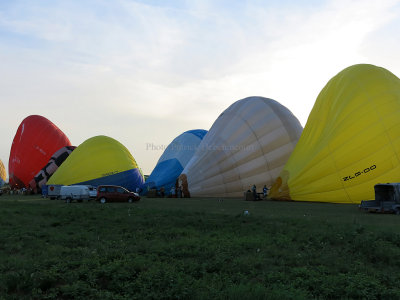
(115, 193)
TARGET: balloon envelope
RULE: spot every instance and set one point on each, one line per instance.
(48, 170)
(35, 141)
(3, 173)
(248, 144)
(351, 140)
(99, 160)
(174, 159)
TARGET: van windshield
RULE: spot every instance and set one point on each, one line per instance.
(385, 193)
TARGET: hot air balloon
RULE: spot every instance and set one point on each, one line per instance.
(174, 159)
(3, 173)
(45, 173)
(35, 141)
(248, 144)
(97, 161)
(351, 140)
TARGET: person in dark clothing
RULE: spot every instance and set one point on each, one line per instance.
(162, 192)
(254, 190)
(179, 192)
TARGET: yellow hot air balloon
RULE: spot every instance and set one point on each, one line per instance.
(351, 140)
(99, 160)
(3, 173)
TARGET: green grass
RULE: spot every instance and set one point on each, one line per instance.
(195, 249)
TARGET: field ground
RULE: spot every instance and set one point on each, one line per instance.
(195, 248)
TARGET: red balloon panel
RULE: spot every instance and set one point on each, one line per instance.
(34, 143)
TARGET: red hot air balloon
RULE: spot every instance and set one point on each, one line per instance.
(34, 143)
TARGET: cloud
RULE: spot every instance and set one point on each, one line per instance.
(98, 67)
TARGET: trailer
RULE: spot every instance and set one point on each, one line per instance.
(74, 192)
(53, 191)
(387, 199)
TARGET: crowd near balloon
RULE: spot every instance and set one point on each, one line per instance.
(351, 141)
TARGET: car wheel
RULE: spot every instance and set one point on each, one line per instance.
(130, 200)
(103, 200)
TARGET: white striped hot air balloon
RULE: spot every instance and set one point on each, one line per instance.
(248, 144)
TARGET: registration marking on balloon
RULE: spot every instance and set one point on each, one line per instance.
(356, 174)
(109, 173)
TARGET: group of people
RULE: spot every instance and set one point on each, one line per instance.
(256, 195)
(14, 191)
(173, 193)
(176, 192)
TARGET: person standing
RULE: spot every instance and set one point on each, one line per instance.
(265, 191)
(162, 192)
(254, 190)
(173, 192)
(179, 192)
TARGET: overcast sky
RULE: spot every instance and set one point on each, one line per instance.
(143, 72)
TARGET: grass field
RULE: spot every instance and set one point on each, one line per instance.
(195, 249)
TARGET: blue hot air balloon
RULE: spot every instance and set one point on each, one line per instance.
(174, 159)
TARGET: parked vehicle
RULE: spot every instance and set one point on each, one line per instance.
(53, 191)
(92, 191)
(74, 192)
(115, 193)
(387, 199)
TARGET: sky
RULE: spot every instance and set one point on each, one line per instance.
(143, 72)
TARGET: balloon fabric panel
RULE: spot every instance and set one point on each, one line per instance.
(35, 141)
(351, 140)
(248, 144)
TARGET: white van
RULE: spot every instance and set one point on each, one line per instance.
(74, 192)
